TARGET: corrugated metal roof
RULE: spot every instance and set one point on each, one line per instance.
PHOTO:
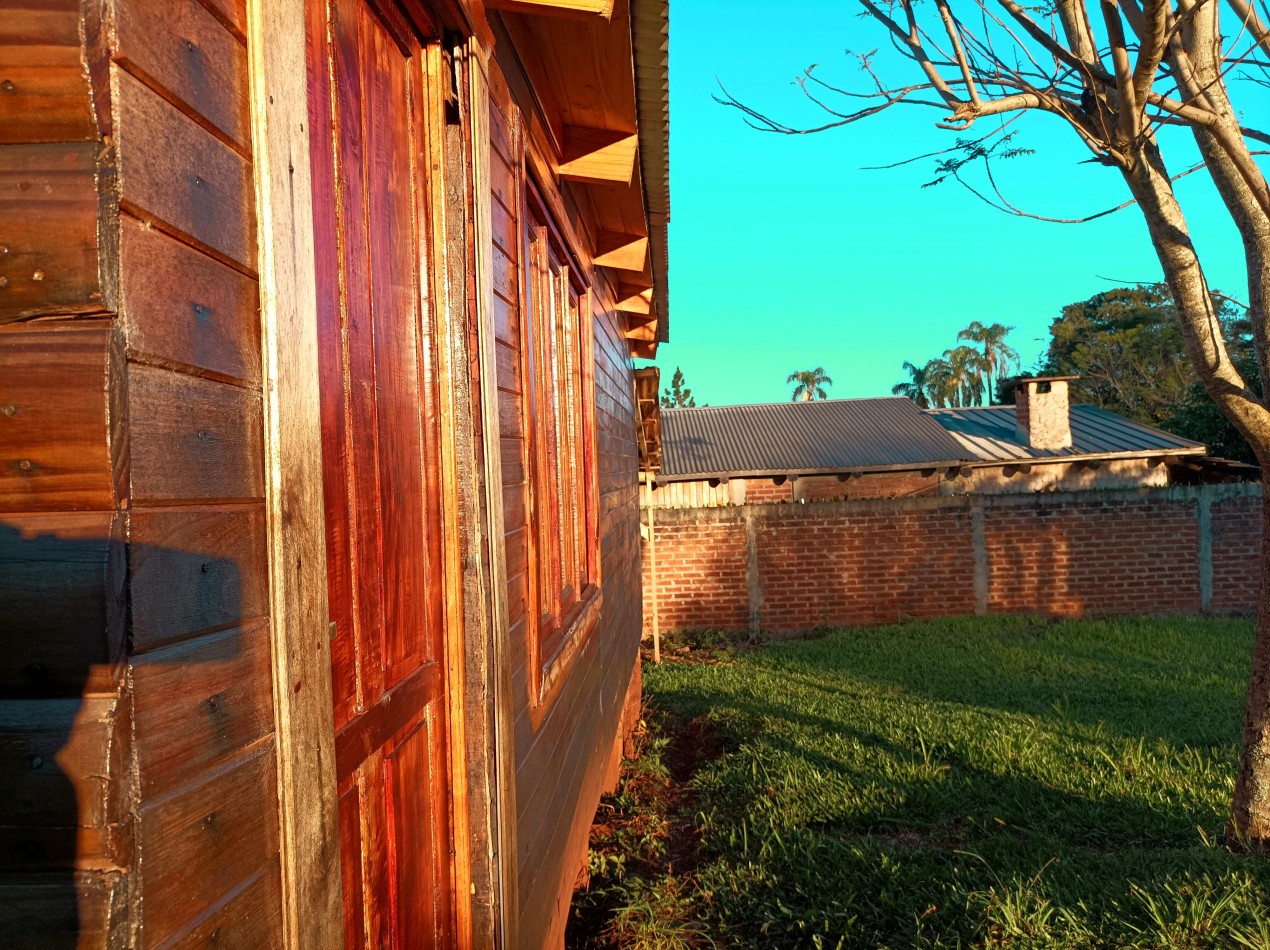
(831, 435)
(988, 434)
(837, 435)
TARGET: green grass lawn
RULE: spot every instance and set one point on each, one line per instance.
(956, 783)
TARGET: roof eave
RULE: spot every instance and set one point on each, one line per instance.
(944, 464)
(650, 43)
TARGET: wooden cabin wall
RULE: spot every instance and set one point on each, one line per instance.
(565, 744)
(131, 479)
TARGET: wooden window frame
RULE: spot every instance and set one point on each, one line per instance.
(558, 340)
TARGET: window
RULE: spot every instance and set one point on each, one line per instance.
(563, 509)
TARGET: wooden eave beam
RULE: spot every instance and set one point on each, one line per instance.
(597, 155)
(642, 350)
(631, 298)
(580, 9)
(644, 332)
(621, 251)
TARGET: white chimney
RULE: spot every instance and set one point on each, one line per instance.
(1042, 412)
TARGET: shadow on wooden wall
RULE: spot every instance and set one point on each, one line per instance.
(68, 777)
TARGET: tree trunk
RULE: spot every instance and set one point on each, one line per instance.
(1148, 180)
(1251, 818)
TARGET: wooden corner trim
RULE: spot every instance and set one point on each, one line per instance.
(312, 909)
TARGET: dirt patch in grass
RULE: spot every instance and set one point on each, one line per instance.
(644, 843)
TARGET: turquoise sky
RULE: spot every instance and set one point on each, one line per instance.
(785, 254)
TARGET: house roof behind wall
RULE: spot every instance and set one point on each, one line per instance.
(988, 433)
(883, 434)
(802, 438)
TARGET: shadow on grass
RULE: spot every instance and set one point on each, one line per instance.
(890, 791)
(1171, 678)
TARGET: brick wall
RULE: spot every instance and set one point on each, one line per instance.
(879, 485)
(761, 491)
(1236, 541)
(790, 567)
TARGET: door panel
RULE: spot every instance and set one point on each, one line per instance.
(380, 430)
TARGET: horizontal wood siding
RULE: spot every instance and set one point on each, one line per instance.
(563, 744)
(189, 312)
(65, 725)
(132, 547)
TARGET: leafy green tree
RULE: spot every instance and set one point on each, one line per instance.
(914, 387)
(1126, 346)
(998, 357)
(810, 384)
(677, 395)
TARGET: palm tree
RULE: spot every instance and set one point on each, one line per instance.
(811, 384)
(915, 387)
(940, 389)
(966, 374)
(998, 357)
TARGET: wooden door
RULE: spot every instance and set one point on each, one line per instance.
(368, 84)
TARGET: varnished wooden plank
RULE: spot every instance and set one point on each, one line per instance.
(48, 230)
(251, 916)
(55, 418)
(46, 94)
(409, 575)
(347, 355)
(487, 92)
(396, 710)
(225, 824)
(61, 584)
(351, 871)
(500, 140)
(180, 306)
(510, 414)
(516, 602)
(55, 755)
(423, 914)
(175, 171)
(233, 13)
(504, 229)
(336, 441)
(64, 910)
(516, 544)
(503, 181)
(508, 362)
(506, 276)
(192, 438)
(310, 904)
(513, 506)
(511, 456)
(199, 702)
(376, 858)
(184, 51)
(506, 320)
(193, 569)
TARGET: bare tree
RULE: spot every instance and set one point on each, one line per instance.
(1122, 75)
